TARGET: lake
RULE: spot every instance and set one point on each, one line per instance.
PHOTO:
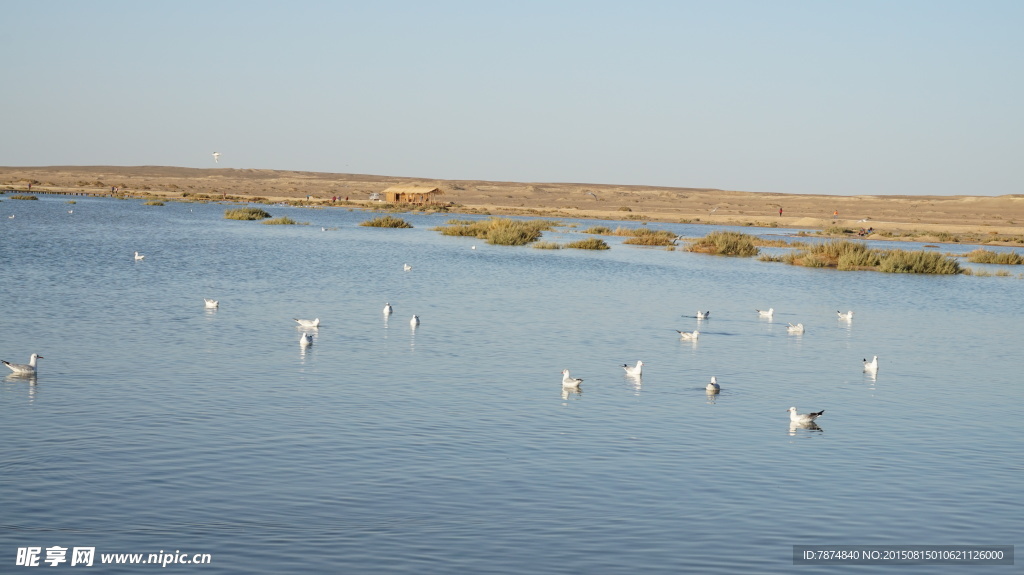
(156, 426)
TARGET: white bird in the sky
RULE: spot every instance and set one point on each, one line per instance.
(568, 381)
(305, 339)
(308, 322)
(798, 328)
(24, 369)
(139, 257)
(871, 366)
(847, 316)
(406, 267)
(703, 314)
(387, 309)
(803, 418)
(211, 303)
(689, 335)
(766, 313)
(636, 370)
(713, 386)
(415, 321)
(216, 157)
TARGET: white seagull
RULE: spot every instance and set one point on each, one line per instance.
(216, 156)
(634, 371)
(305, 339)
(847, 316)
(690, 335)
(766, 313)
(139, 257)
(703, 314)
(211, 303)
(803, 418)
(23, 369)
(406, 267)
(308, 322)
(798, 328)
(568, 381)
(871, 366)
(415, 321)
(713, 386)
(387, 309)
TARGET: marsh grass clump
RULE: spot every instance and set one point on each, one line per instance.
(283, 221)
(918, 262)
(386, 222)
(500, 231)
(588, 244)
(153, 203)
(246, 214)
(23, 197)
(725, 244)
(648, 237)
(840, 254)
(547, 245)
(598, 230)
(981, 256)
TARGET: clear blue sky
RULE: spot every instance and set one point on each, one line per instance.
(829, 97)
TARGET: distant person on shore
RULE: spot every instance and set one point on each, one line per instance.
(780, 212)
(835, 215)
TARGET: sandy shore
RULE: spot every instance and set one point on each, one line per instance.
(982, 216)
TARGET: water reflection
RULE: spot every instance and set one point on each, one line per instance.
(635, 381)
(573, 392)
(712, 395)
(811, 426)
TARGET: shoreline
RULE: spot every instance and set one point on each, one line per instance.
(941, 219)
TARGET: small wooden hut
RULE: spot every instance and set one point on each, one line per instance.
(412, 194)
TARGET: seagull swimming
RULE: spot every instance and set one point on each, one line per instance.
(803, 418)
(634, 371)
(308, 322)
(305, 339)
(23, 369)
(568, 381)
(871, 366)
(139, 257)
(798, 328)
(688, 334)
(406, 267)
(415, 321)
(713, 386)
(211, 303)
(766, 313)
(216, 155)
(847, 316)
(387, 309)
(703, 314)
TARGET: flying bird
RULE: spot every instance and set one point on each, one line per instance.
(216, 156)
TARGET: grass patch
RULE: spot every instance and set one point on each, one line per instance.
(547, 245)
(153, 203)
(724, 244)
(588, 244)
(500, 231)
(386, 222)
(246, 214)
(598, 230)
(980, 256)
(648, 237)
(283, 221)
(846, 255)
(918, 262)
(23, 197)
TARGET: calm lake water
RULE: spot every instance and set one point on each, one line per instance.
(155, 425)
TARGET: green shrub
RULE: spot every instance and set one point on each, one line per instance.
(725, 244)
(386, 222)
(588, 244)
(981, 256)
(246, 214)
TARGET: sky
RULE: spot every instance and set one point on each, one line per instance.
(787, 96)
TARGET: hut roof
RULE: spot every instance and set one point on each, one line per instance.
(415, 189)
